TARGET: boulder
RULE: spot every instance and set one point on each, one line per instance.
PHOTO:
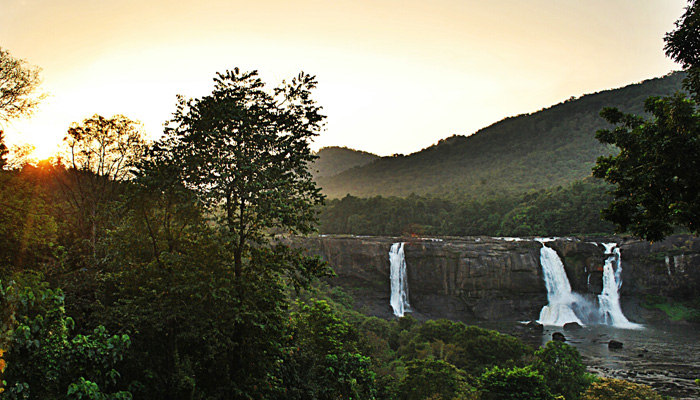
(614, 344)
(572, 326)
(558, 337)
(536, 326)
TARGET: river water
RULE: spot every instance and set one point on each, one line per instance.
(665, 357)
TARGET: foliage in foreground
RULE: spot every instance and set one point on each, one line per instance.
(42, 359)
(618, 389)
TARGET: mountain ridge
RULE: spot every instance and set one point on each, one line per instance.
(548, 148)
(333, 160)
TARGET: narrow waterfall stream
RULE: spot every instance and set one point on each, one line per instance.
(399, 281)
(609, 299)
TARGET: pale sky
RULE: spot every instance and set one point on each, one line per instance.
(394, 76)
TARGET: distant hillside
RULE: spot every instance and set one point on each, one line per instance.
(545, 149)
(334, 160)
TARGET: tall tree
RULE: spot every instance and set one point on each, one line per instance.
(100, 153)
(657, 171)
(245, 152)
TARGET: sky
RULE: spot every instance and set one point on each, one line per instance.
(395, 76)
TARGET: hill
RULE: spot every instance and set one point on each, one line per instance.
(545, 149)
(334, 160)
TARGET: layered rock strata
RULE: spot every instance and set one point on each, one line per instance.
(468, 279)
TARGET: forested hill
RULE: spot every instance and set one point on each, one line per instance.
(334, 160)
(545, 149)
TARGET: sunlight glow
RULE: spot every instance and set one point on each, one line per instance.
(394, 76)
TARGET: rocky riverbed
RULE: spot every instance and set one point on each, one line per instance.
(663, 356)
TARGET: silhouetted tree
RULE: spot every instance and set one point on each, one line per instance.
(18, 82)
(100, 153)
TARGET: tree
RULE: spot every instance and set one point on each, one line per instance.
(656, 174)
(101, 153)
(513, 384)
(18, 82)
(28, 228)
(40, 359)
(618, 389)
(683, 47)
(200, 332)
(562, 369)
(106, 147)
(431, 378)
(324, 361)
(245, 152)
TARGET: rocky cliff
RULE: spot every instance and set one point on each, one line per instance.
(469, 279)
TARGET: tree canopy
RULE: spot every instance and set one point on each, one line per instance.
(683, 46)
(656, 174)
(18, 82)
(245, 152)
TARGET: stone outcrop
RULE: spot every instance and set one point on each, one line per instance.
(469, 279)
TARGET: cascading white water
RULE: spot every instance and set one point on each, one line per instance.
(399, 281)
(609, 299)
(561, 299)
(566, 306)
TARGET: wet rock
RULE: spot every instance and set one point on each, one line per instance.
(614, 344)
(572, 326)
(536, 326)
(558, 337)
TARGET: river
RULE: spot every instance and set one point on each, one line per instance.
(665, 357)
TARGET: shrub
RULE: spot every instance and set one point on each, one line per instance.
(618, 389)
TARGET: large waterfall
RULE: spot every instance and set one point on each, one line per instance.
(560, 298)
(399, 281)
(566, 306)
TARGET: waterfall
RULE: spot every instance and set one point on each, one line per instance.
(566, 306)
(399, 281)
(560, 298)
(609, 299)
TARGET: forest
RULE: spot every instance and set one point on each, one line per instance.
(129, 270)
(561, 211)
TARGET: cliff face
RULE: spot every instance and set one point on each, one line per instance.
(493, 279)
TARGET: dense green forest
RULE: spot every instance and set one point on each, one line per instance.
(137, 298)
(137, 270)
(549, 148)
(560, 211)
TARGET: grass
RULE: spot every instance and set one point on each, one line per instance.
(676, 311)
